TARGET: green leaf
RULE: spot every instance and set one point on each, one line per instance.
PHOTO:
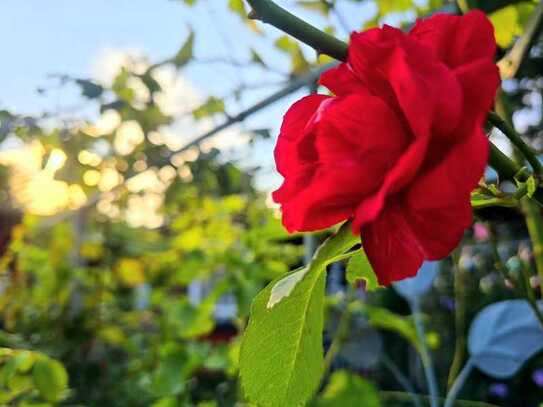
(334, 246)
(525, 12)
(285, 44)
(315, 5)
(385, 319)
(298, 61)
(120, 87)
(237, 7)
(284, 287)
(149, 119)
(484, 201)
(189, 321)
(394, 6)
(19, 362)
(348, 390)
(165, 402)
(6, 123)
(211, 106)
(281, 352)
(264, 134)
(90, 89)
(506, 25)
(257, 59)
(150, 82)
(184, 55)
(359, 268)
(20, 383)
(168, 379)
(531, 186)
(50, 379)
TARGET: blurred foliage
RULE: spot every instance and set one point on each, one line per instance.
(124, 321)
(25, 373)
(99, 308)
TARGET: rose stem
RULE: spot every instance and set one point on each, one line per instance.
(517, 141)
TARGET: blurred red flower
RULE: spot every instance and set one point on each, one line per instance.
(399, 146)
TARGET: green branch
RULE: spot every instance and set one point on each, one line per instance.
(340, 335)
(269, 12)
(517, 141)
(534, 223)
(504, 166)
(460, 299)
(511, 63)
(489, 6)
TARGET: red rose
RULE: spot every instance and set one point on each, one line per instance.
(401, 144)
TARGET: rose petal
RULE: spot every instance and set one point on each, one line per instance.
(406, 73)
(479, 81)
(296, 124)
(429, 221)
(392, 250)
(438, 202)
(354, 152)
(325, 198)
(404, 170)
(457, 40)
(360, 127)
(341, 80)
(368, 52)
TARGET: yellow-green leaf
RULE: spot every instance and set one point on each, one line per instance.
(359, 268)
(506, 25)
(50, 379)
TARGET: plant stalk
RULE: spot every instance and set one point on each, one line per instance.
(517, 141)
(426, 358)
(458, 384)
(269, 12)
(534, 223)
(529, 293)
(401, 379)
(397, 396)
(338, 339)
(460, 298)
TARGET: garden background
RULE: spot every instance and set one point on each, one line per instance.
(136, 164)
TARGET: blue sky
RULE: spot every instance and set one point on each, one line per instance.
(62, 36)
(67, 37)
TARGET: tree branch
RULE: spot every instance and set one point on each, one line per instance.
(515, 139)
(269, 12)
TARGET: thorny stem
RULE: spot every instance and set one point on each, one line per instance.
(401, 379)
(339, 337)
(534, 223)
(533, 219)
(522, 285)
(268, 12)
(498, 263)
(396, 396)
(529, 293)
(458, 384)
(517, 141)
(459, 319)
(426, 358)
(511, 63)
